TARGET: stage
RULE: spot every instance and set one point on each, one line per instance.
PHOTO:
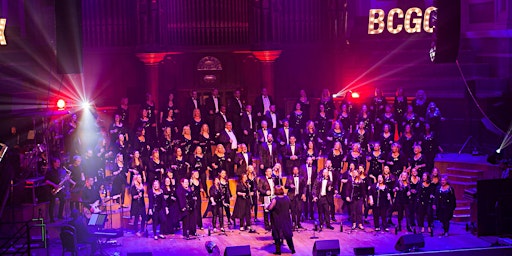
(261, 242)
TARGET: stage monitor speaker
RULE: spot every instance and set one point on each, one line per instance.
(446, 34)
(68, 28)
(242, 250)
(360, 251)
(410, 242)
(326, 247)
(139, 254)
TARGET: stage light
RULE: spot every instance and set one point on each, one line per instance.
(498, 150)
(3, 22)
(85, 105)
(61, 104)
(355, 95)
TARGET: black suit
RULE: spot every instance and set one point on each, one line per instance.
(268, 158)
(234, 110)
(241, 163)
(323, 201)
(309, 189)
(288, 154)
(259, 108)
(189, 108)
(210, 105)
(295, 194)
(245, 124)
(224, 139)
(263, 187)
(270, 122)
(220, 123)
(282, 139)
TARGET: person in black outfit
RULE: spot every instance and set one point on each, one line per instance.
(186, 203)
(195, 184)
(224, 187)
(401, 199)
(138, 206)
(281, 222)
(54, 177)
(296, 186)
(444, 203)
(266, 187)
(322, 188)
(396, 161)
(172, 219)
(156, 168)
(424, 204)
(309, 172)
(157, 208)
(413, 198)
(380, 199)
(354, 194)
(90, 194)
(216, 201)
(242, 208)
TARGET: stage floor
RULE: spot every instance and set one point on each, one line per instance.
(261, 242)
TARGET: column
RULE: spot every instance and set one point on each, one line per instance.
(151, 61)
(267, 59)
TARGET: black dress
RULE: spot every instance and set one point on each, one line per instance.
(196, 193)
(119, 180)
(186, 206)
(375, 168)
(221, 162)
(172, 219)
(242, 209)
(444, 200)
(157, 205)
(138, 207)
(200, 164)
(153, 171)
(398, 163)
(180, 168)
(281, 219)
(186, 145)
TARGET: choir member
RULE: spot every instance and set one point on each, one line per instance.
(242, 209)
(220, 120)
(411, 119)
(212, 107)
(235, 109)
(117, 128)
(226, 191)
(141, 144)
(419, 104)
(336, 159)
(304, 103)
(433, 117)
(435, 177)
(297, 120)
(415, 182)
(281, 223)
(199, 162)
(248, 126)
(119, 178)
(311, 152)
(309, 172)
(361, 136)
(273, 119)
(336, 134)
(219, 161)
(328, 103)
(170, 122)
(156, 167)
(354, 194)
(322, 124)
(376, 160)
(196, 123)
(389, 180)
(166, 145)
(292, 155)
(345, 119)
(172, 218)
(401, 200)
(429, 146)
(262, 104)
(170, 113)
(356, 155)
(228, 139)
(243, 159)
(266, 189)
(444, 203)
(217, 201)
(380, 199)
(186, 203)
(138, 206)
(296, 186)
(424, 204)
(400, 106)
(263, 132)
(186, 140)
(386, 139)
(284, 133)
(365, 116)
(407, 140)
(268, 153)
(122, 110)
(417, 162)
(252, 180)
(144, 123)
(195, 185)
(137, 167)
(396, 161)
(157, 208)
(191, 104)
(179, 164)
(205, 140)
(322, 188)
(311, 134)
(378, 103)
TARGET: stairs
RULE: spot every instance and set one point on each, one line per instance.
(461, 179)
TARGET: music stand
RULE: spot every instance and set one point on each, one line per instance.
(97, 220)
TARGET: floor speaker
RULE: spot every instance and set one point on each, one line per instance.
(326, 247)
(410, 242)
(360, 251)
(68, 28)
(243, 250)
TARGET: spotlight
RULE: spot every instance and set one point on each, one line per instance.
(85, 105)
(498, 150)
(355, 95)
(61, 104)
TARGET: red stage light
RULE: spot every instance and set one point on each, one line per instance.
(61, 104)
(355, 95)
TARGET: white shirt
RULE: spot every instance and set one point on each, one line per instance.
(323, 191)
(287, 135)
(266, 104)
(270, 148)
(234, 143)
(271, 183)
(216, 103)
(274, 120)
(224, 117)
(250, 119)
(310, 172)
(239, 103)
(246, 157)
(195, 102)
(296, 181)
(292, 147)
(265, 134)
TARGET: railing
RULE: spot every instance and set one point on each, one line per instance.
(21, 242)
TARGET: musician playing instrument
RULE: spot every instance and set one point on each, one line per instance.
(58, 179)
(91, 199)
